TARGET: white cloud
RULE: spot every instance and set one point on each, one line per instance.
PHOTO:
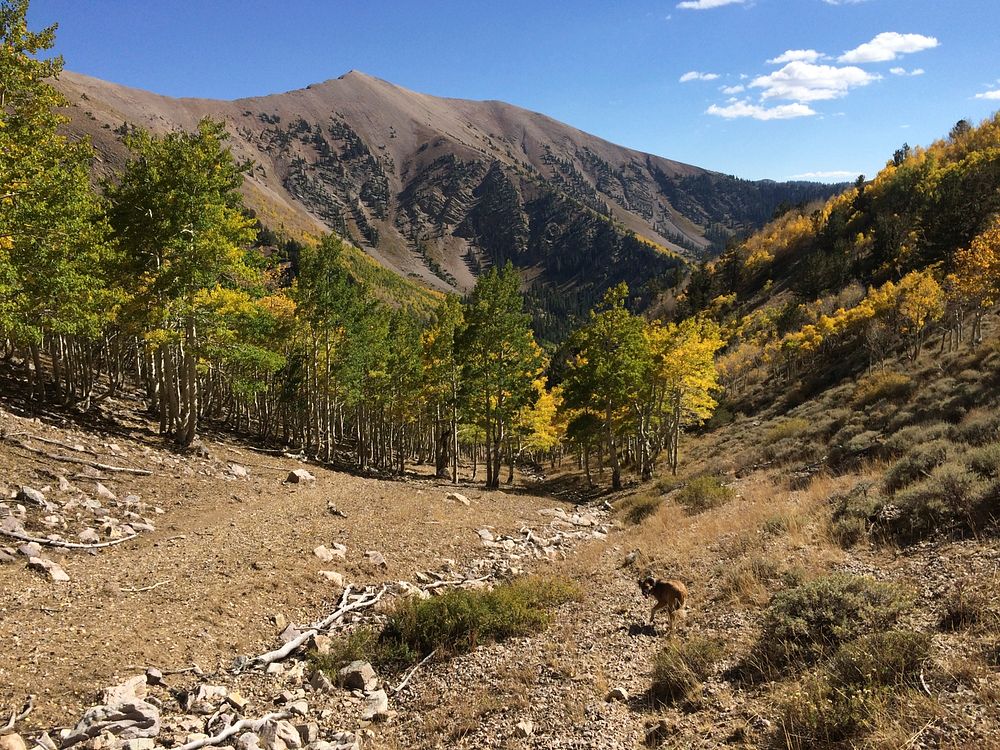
(792, 55)
(995, 94)
(905, 72)
(888, 46)
(757, 112)
(694, 75)
(804, 82)
(733, 89)
(844, 2)
(707, 4)
(833, 174)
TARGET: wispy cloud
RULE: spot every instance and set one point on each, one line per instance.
(793, 55)
(905, 72)
(805, 82)
(757, 112)
(994, 94)
(707, 4)
(730, 90)
(694, 75)
(844, 2)
(888, 46)
(831, 175)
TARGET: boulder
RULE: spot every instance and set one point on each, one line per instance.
(457, 497)
(49, 568)
(12, 742)
(377, 707)
(129, 720)
(248, 741)
(358, 675)
(133, 689)
(299, 476)
(337, 579)
(31, 496)
(308, 733)
(279, 735)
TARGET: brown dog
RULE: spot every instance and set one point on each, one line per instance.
(670, 595)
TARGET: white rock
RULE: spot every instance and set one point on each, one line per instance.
(377, 707)
(104, 493)
(618, 694)
(279, 735)
(457, 497)
(48, 567)
(298, 476)
(12, 742)
(238, 471)
(376, 559)
(359, 675)
(329, 554)
(524, 728)
(337, 579)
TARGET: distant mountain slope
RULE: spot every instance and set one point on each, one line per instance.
(437, 189)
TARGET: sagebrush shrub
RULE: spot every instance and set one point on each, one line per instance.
(702, 493)
(918, 462)
(681, 666)
(892, 386)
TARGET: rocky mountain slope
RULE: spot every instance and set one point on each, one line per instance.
(437, 189)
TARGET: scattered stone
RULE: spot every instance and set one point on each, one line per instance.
(44, 565)
(134, 688)
(32, 496)
(279, 735)
(337, 579)
(290, 633)
(524, 728)
(332, 509)
(377, 708)
(238, 471)
(46, 742)
(7, 555)
(104, 493)
(320, 682)
(299, 476)
(299, 707)
(376, 559)
(486, 535)
(129, 720)
(237, 701)
(359, 675)
(322, 644)
(208, 699)
(88, 536)
(139, 743)
(329, 554)
(275, 667)
(12, 742)
(248, 741)
(457, 497)
(308, 733)
(64, 485)
(618, 694)
(154, 676)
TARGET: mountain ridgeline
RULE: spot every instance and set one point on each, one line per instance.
(438, 190)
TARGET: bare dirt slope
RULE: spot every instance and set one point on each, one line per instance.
(227, 553)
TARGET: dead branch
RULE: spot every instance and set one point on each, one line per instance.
(50, 441)
(193, 668)
(60, 543)
(146, 588)
(84, 462)
(463, 582)
(278, 654)
(410, 674)
(234, 729)
(16, 717)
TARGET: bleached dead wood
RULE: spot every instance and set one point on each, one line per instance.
(413, 671)
(461, 582)
(50, 441)
(60, 543)
(84, 462)
(289, 648)
(16, 716)
(251, 725)
(147, 588)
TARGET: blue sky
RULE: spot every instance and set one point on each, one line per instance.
(774, 89)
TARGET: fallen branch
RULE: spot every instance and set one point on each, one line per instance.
(84, 462)
(60, 543)
(146, 588)
(463, 582)
(16, 717)
(410, 674)
(193, 668)
(278, 654)
(253, 725)
(50, 441)
(923, 683)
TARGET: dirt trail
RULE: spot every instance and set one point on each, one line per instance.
(233, 552)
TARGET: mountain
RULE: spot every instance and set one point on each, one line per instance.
(437, 189)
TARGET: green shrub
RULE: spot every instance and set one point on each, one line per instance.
(702, 493)
(637, 509)
(949, 496)
(856, 692)
(907, 438)
(918, 462)
(453, 623)
(809, 622)
(963, 608)
(979, 427)
(680, 668)
(883, 386)
(893, 657)
(985, 460)
(787, 428)
(854, 513)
